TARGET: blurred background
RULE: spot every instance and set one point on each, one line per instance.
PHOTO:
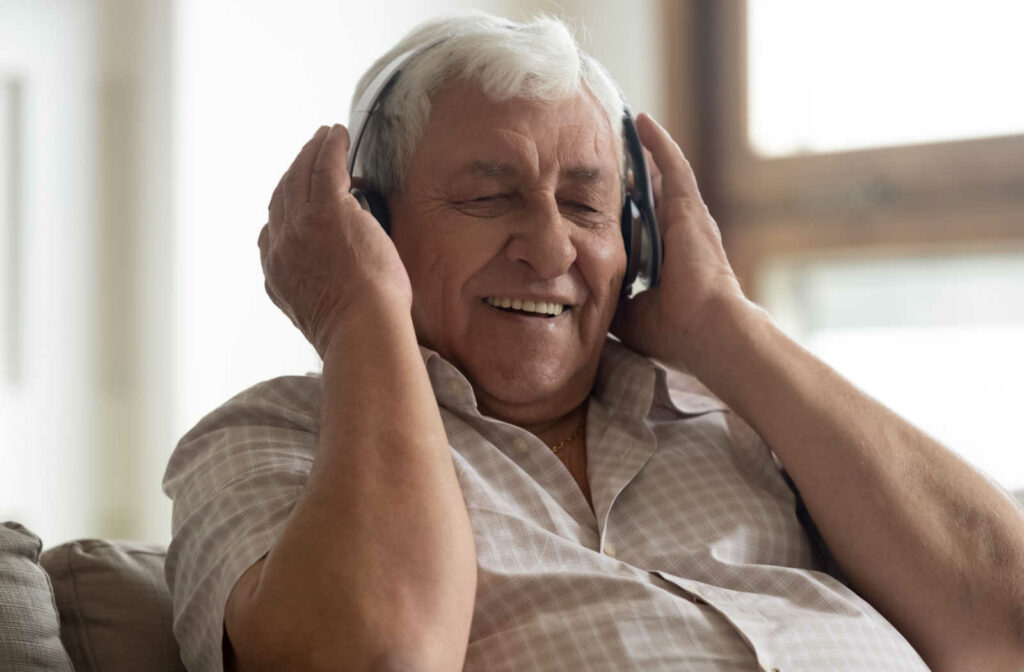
(865, 161)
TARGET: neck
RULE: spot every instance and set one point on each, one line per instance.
(551, 429)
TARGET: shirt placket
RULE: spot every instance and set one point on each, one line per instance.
(616, 453)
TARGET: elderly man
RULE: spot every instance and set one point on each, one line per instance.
(481, 479)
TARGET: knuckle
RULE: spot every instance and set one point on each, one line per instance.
(274, 267)
(328, 180)
(327, 170)
(291, 182)
(309, 217)
(272, 293)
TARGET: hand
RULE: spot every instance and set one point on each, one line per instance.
(321, 252)
(696, 276)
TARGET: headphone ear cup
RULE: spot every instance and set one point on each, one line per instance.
(632, 224)
(374, 203)
(639, 221)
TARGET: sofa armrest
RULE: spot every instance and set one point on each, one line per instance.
(114, 605)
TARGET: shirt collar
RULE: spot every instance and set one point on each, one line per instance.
(451, 387)
(627, 384)
(633, 383)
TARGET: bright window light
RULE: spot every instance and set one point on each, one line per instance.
(938, 340)
(843, 75)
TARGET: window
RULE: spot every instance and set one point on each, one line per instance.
(864, 162)
(937, 338)
(830, 76)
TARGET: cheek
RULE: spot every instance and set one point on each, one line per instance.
(440, 262)
(606, 261)
(423, 262)
(420, 260)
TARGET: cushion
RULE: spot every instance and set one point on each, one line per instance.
(29, 627)
(115, 609)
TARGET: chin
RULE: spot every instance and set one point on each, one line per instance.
(530, 389)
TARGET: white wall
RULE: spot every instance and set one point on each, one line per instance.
(45, 403)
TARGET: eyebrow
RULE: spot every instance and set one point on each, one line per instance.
(491, 169)
(585, 174)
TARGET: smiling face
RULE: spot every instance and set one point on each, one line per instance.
(508, 225)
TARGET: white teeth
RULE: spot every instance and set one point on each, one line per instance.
(541, 307)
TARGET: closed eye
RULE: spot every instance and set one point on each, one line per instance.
(487, 206)
(579, 206)
(585, 214)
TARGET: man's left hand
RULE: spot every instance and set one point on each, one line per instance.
(696, 276)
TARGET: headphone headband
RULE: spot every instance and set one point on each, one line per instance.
(373, 95)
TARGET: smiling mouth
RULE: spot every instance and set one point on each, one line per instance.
(539, 308)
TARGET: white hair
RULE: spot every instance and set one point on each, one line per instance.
(505, 59)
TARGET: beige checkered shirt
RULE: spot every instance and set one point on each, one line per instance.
(693, 557)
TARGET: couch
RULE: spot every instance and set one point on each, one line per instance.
(90, 606)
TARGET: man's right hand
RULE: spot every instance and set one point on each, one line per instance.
(321, 252)
(375, 567)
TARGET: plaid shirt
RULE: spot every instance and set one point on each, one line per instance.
(692, 558)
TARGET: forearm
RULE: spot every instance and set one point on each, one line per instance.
(377, 560)
(922, 536)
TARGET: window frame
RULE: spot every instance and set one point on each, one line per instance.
(909, 199)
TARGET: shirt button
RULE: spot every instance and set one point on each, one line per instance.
(609, 550)
(520, 444)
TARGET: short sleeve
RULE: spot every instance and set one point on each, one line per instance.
(234, 480)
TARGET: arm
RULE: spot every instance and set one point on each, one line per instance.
(925, 538)
(375, 569)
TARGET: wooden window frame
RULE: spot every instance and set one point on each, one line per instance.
(913, 199)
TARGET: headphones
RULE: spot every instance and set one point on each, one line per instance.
(639, 225)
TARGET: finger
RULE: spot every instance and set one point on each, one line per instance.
(264, 242)
(677, 176)
(330, 174)
(655, 173)
(275, 209)
(296, 180)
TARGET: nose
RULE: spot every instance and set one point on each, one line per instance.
(543, 241)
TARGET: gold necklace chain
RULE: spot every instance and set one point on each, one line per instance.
(569, 439)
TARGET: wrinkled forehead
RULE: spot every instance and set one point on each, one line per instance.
(500, 137)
